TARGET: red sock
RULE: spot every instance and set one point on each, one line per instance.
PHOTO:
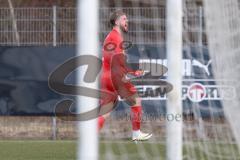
(136, 115)
(101, 121)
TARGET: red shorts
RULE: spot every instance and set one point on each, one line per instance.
(116, 87)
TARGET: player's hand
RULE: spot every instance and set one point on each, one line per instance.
(139, 73)
(125, 79)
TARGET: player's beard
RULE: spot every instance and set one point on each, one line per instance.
(124, 28)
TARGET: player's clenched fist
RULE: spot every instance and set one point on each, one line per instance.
(139, 73)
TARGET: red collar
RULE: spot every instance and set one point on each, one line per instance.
(116, 30)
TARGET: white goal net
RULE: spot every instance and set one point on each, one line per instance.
(209, 81)
(35, 40)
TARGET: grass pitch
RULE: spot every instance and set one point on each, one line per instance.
(37, 150)
(66, 150)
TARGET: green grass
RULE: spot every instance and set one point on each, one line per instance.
(66, 150)
(132, 151)
(37, 150)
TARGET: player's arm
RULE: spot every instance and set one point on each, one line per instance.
(122, 61)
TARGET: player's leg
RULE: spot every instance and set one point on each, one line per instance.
(104, 113)
(136, 111)
(136, 118)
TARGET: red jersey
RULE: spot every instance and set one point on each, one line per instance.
(113, 53)
(115, 68)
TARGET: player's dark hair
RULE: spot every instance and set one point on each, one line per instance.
(115, 15)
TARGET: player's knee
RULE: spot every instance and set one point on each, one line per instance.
(138, 101)
(134, 100)
(131, 101)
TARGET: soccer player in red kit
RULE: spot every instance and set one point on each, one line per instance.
(113, 77)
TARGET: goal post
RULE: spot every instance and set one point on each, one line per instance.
(87, 44)
(174, 57)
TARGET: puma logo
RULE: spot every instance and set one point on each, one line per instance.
(203, 66)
